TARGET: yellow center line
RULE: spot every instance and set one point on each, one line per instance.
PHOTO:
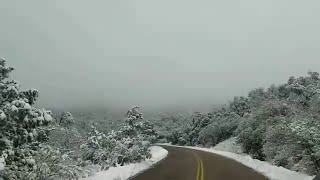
(198, 169)
(202, 171)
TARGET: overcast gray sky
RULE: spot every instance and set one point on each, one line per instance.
(156, 52)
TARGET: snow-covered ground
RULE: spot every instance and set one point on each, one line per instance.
(229, 145)
(124, 172)
(231, 149)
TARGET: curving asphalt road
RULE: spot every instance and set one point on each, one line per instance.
(189, 164)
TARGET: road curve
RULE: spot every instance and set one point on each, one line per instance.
(190, 164)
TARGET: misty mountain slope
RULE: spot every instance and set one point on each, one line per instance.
(104, 121)
(86, 53)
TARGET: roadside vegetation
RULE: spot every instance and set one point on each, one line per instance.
(280, 124)
(36, 146)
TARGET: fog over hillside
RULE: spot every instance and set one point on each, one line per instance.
(104, 89)
(156, 53)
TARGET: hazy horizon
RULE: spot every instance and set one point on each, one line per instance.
(156, 53)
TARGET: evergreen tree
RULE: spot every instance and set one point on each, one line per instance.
(67, 119)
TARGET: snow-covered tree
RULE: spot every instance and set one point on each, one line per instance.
(19, 121)
(24, 132)
(240, 105)
(128, 144)
(67, 119)
(221, 128)
(199, 121)
(66, 139)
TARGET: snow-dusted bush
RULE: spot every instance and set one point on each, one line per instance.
(98, 148)
(189, 134)
(306, 130)
(229, 145)
(199, 121)
(284, 126)
(42, 162)
(128, 144)
(252, 130)
(251, 138)
(67, 120)
(293, 143)
(221, 128)
(280, 146)
(19, 121)
(180, 136)
(66, 139)
(240, 105)
(24, 135)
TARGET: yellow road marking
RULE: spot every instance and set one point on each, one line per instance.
(202, 171)
(198, 169)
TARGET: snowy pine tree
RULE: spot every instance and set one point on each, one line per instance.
(67, 119)
(20, 134)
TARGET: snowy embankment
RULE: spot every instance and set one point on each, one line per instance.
(127, 171)
(265, 168)
(229, 148)
(271, 171)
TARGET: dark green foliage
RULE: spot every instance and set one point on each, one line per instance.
(283, 126)
(221, 128)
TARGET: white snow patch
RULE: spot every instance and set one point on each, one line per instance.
(47, 117)
(229, 145)
(12, 88)
(14, 108)
(2, 115)
(27, 106)
(2, 162)
(265, 168)
(127, 171)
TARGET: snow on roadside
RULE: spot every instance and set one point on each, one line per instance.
(229, 145)
(265, 168)
(127, 171)
(270, 171)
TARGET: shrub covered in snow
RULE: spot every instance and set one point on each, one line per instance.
(220, 129)
(68, 140)
(284, 126)
(25, 135)
(19, 121)
(190, 134)
(67, 119)
(42, 162)
(128, 144)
